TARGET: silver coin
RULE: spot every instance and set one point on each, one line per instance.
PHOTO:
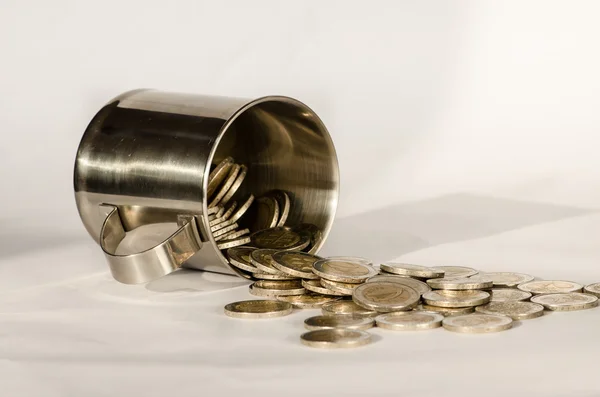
(593, 289)
(240, 258)
(258, 309)
(279, 238)
(235, 185)
(212, 211)
(563, 302)
(226, 215)
(225, 230)
(385, 296)
(445, 311)
(277, 277)
(308, 300)
(550, 287)
(335, 338)
(315, 286)
(242, 210)
(222, 191)
(218, 175)
(343, 288)
(456, 271)
(417, 285)
(294, 263)
(477, 323)
(460, 283)
(236, 242)
(276, 288)
(339, 321)
(409, 321)
(220, 212)
(509, 295)
(344, 270)
(406, 269)
(508, 279)
(516, 310)
(347, 307)
(445, 298)
(233, 234)
(262, 259)
(312, 231)
(266, 211)
(284, 204)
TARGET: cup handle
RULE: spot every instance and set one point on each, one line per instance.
(152, 263)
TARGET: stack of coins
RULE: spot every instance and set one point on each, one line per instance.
(269, 213)
(353, 296)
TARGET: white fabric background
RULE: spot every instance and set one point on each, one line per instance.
(467, 134)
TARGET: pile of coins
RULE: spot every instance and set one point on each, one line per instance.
(354, 295)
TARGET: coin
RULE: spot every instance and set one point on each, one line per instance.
(446, 311)
(225, 216)
(233, 173)
(242, 210)
(346, 321)
(550, 286)
(335, 338)
(276, 288)
(217, 175)
(240, 258)
(279, 238)
(460, 283)
(507, 295)
(225, 230)
(220, 212)
(347, 307)
(235, 185)
(258, 309)
(417, 285)
(266, 213)
(308, 300)
(212, 210)
(315, 286)
(507, 279)
(235, 242)
(344, 270)
(477, 323)
(343, 288)
(515, 309)
(233, 234)
(263, 260)
(310, 230)
(293, 263)
(384, 296)
(445, 298)
(593, 289)
(409, 321)
(563, 302)
(406, 269)
(283, 202)
(456, 271)
(267, 276)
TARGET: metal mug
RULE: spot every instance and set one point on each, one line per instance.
(145, 158)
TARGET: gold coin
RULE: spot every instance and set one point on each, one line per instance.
(593, 289)
(283, 201)
(406, 269)
(242, 210)
(240, 258)
(409, 321)
(347, 307)
(385, 296)
(456, 271)
(344, 288)
(225, 230)
(233, 173)
(225, 217)
(236, 185)
(467, 283)
(417, 285)
(346, 270)
(550, 287)
(563, 302)
(477, 323)
(315, 286)
(508, 279)
(236, 242)
(516, 310)
(277, 277)
(446, 298)
(335, 338)
(266, 212)
(339, 321)
(308, 300)
(263, 260)
(217, 175)
(311, 231)
(258, 309)
(445, 311)
(294, 263)
(508, 295)
(276, 288)
(233, 234)
(279, 238)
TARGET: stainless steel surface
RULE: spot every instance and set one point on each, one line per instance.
(149, 154)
